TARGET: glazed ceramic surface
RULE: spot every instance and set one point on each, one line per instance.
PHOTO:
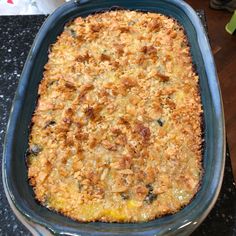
(20, 195)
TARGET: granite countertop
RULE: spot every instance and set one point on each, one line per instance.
(16, 37)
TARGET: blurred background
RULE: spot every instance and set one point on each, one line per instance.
(28, 7)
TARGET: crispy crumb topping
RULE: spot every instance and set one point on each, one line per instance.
(116, 134)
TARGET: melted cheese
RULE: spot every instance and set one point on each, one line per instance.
(116, 134)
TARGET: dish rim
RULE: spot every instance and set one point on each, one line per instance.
(214, 85)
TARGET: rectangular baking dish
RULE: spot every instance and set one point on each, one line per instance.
(40, 220)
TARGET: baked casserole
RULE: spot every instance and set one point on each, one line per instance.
(116, 135)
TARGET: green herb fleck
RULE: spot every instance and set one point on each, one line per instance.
(73, 33)
(160, 122)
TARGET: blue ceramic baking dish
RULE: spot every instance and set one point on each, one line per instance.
(41, 221)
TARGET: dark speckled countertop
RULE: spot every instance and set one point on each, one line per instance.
(16, 36)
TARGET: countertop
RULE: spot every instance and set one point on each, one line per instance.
(16, 36)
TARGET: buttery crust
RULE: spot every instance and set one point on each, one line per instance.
(116, 135)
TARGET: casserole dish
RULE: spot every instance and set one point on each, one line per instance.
(20, 195)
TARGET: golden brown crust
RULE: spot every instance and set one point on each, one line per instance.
(116, 135)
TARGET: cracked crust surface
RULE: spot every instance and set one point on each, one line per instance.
(116, 134)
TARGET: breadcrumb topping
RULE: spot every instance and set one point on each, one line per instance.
(116, 134)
